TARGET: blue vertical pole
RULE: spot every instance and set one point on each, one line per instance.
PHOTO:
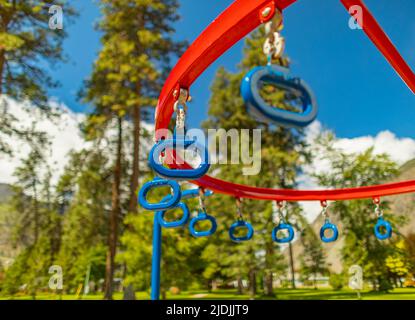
(155, 265)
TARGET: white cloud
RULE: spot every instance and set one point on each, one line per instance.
(63, 132)
(400, 150)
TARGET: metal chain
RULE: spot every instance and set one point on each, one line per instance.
(281, 205)
(180, 108)
(239, 208)
(202, 199)
(324, 212)
(274, 45)
(378, 210)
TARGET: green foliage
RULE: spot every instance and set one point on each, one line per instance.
(27, 46)
(137, 45)
(26, 42)
(84, 231)
(313, 261)
(337, 281)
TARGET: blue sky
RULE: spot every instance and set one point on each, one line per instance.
(357, 91)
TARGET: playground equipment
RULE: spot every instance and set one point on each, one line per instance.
(234, 23)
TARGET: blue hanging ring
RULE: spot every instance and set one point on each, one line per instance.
(283, 226)
(183, 174)
(174, 224)
(202, 216)
(167, 202)
(329, 226)
(241, 224)
(387, 229)
(296, 87)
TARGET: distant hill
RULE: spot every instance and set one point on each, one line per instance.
(402, 204)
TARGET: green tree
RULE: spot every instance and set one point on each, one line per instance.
(26, 45)
(358, 217)
(399, 264)
(313, 261)
(125, 82)
(85, 200)
(33, 225)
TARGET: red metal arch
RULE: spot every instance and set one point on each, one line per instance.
(233, 24)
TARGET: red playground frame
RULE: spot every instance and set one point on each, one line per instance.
(233, 24)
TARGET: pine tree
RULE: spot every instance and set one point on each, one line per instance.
(33, 225)
(84, 199)
(26, 43)
(126, 80)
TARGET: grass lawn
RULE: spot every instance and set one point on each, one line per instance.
(281, 294)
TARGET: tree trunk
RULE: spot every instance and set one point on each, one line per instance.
(136, 160)
(290, 250)
(252, 284)
(240, 285)
(269, 279)
(35, 212)
(129, 293)
(113, 219)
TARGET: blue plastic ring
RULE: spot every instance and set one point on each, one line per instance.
(329, 226)
(241, 224)
(383, 224)
(201, 217)
(278, 76)
(167, 202)
(174, 224)
(283, 226)
(180, 174)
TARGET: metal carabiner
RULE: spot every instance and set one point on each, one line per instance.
(386, 233)
(283, 226)
(185, 174)
(278, 76)
(238, 225)
(167, 202)
(202, 216)
(329, 226)
(174, 224)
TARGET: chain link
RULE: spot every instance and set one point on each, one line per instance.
(281, 205)
(180, 107)
(239, 208)
(202, 199)
(378, 210)
(324, 212)
(274, 45)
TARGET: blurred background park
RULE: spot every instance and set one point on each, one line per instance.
(77, 107)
